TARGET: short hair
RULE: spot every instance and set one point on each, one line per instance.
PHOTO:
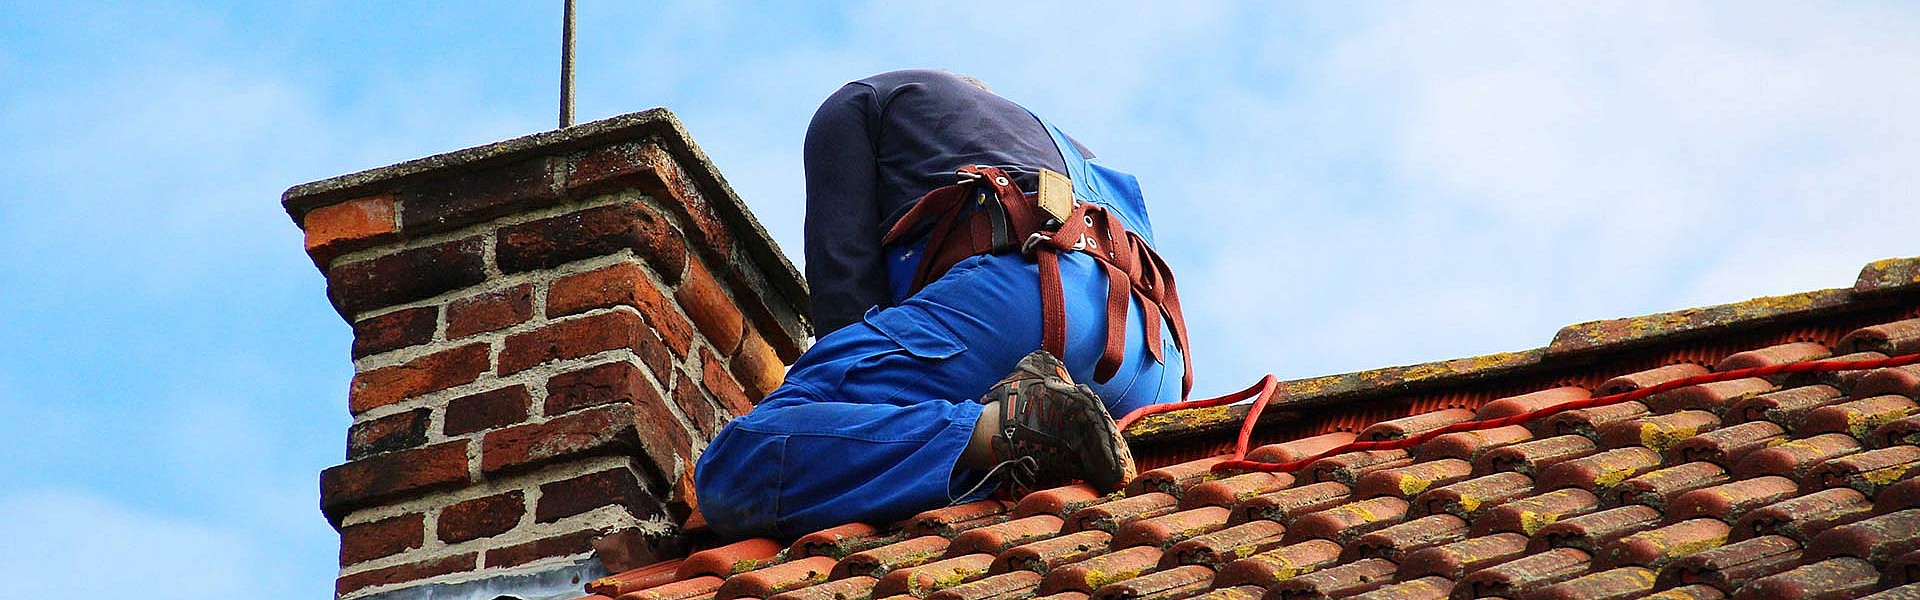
(973, 80)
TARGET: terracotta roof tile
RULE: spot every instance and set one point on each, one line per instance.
(1042, 556)
(1904, 381)
(1803, 517)
(1109, 516)
(1457, 559)
(1531, 457)
(1096, 572)
(1286, 505)
(764, 583)
(1728, 566)
(1524, 574)
(919, 581)
(1424, 588)
(1470, 445)
(1014, 584)
(953, 520)
(1355, 577)
(1727, 445)
(1528, 515)
(1716, 397)
(1233, 490)
(1624, 582)
(905, 553)
(737, 557)
(1785, 407)
(1166, 530)
(1060, 501)
(1904, 592)
(1178, 582)
(1227, 545)
(1831, 579)
(851, 588)
(1267, 568)
(1778, 488)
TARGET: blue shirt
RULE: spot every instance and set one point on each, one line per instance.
(879, 144)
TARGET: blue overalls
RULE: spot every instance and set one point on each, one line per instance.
(870, 421)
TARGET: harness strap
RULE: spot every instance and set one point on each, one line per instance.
(997, 224)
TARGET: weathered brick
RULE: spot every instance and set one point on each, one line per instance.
(720, 383)
(598, 431)
(395, 474)
(694, 403)
(351, 225)
(631, 549)
(708, 230)
(406, 276)
(487, 312)
(397, 431)
(579, 542)
(757, 367)
(612, 487)
(600, 231)
(385, 537)
(487, 410)
(609, 168)
(395, 330)
(481, 517)
(623, 284)
(663, 437)
(430, 373)
(574, 338)
(474, 196)
(348, 584)
(711, 309)
(597, 385)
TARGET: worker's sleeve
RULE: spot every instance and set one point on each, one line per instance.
(846, 272)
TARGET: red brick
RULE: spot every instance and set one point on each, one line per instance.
(606, 167)
(707, 303)
(395, 330)
(578, 542)
(395, 474)
(663, 436)
(406, 276)
(624, 284)
(481, 517)
(605, 430)
(668, 180)
(348, 584)
(694, 403)
(487, 410)
(612, 487)
(385, 537)
(430, 373)
(574, 338)
(721, 384)
(465, 198)
(350, 225)
(392, 432)
(609, 383)
(757, 367)
(600, 231)
(486, 312)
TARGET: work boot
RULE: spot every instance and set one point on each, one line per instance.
(1053, 431)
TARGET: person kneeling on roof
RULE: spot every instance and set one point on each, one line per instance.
(952, 238)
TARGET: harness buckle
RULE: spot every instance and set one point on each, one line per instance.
(1037, 238)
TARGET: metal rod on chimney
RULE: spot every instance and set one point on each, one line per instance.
(566, 68)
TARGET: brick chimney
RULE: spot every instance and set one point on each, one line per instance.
(546, 332)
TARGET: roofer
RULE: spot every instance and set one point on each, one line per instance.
(943, 248)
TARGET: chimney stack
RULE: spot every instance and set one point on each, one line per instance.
(547, 331)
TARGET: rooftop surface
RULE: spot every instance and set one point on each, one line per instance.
(1796, 487)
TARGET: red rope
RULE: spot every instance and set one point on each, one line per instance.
(1264, 391)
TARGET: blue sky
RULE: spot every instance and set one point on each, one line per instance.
(1340, 189)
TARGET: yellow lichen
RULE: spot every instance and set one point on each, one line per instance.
(1660, 438)
(1611, 477)
(1470, 503)
(1531, 522)
(1411, 486)
(1886, 476)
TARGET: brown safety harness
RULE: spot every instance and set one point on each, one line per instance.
(987, 214)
